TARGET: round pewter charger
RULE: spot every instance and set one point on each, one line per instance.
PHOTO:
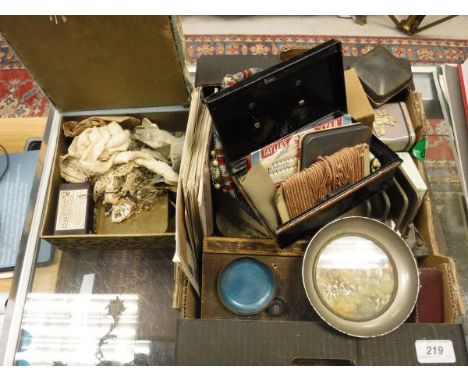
(360, 277)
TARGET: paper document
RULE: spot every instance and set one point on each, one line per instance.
(194, 214)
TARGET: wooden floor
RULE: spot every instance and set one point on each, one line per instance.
(319, 25)
(14, 133)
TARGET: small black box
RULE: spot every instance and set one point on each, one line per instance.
(74, 209)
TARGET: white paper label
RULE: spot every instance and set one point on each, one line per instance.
(87, 284)
(71, 212)
(435, 351)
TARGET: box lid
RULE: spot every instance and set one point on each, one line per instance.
(100, 62)
(382, 74)
(279, 100)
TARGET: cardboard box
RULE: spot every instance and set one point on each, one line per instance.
(273, 343)
(93, 65)
(356, 98)
(204, 341)
(426, 221)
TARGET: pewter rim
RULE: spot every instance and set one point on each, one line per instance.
(405, 266)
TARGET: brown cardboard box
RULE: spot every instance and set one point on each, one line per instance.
(427, 223)
(356, 98)
(141, 74)
(286, 343)
(289, 343)
(397, 348)
(314, 342)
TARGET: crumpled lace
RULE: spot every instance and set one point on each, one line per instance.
(167, 144)
(96, 150)
(150, 134)
(125, 167)
(75, 128)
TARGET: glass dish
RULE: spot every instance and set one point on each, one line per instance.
(246, 286)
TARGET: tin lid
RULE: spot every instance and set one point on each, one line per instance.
(100, 62)
(279, 100)
(382, 74)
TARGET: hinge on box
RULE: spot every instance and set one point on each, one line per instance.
(55, 19)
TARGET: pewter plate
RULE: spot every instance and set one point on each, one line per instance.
(360, 277)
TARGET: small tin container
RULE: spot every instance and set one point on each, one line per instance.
(393, 126)
(383, 75)
(74, 209)
(246, 286)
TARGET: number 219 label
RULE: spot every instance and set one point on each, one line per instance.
(435, 351)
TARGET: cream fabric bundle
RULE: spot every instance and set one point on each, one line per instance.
(96, 150)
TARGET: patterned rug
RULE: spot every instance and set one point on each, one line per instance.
(417, 50)
(21, 97)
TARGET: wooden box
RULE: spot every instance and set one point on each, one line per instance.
(286, 264)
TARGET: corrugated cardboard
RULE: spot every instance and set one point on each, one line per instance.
(205, 342)
(426, 221)
(429, 226)
(358, 102)
(233, 342)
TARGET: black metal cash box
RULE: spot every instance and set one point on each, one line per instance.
(281, 100)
